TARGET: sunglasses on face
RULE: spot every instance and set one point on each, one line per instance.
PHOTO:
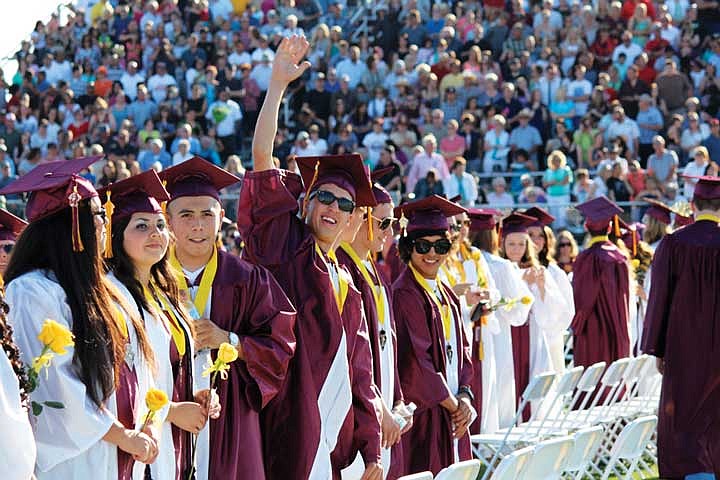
(441, 246)
(327, 198)
(383, 223)
(561, 245)
(7, 248)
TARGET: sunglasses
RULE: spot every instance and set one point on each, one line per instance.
(7, 248)
(383, 223)
(327, 198)
(441, 246)
(561, 245)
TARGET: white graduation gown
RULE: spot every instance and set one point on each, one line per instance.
(69, 440)
(510, 284)
(556, 339)
(490, 417)
(17, 445)
(160, 338)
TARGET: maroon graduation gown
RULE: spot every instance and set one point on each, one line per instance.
(125, 399)
(521, 364)
(182, 392)
(601, 290)
(277, 239)
(476, 383)
(371, 315)
(248, 301)
(682, 326)
(428, 445)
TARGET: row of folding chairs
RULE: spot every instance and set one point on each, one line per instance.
(567, 456)
(577, 400)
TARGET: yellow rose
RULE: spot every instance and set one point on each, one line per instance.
(526, 300)
(227, 353)
(635, 263)
(155, 399)
(56, 337)
(41, 362)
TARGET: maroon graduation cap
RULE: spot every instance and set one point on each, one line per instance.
(541, 216)
(380, 193)
(659, 212)
(345, 171)
(516, 223)
(706, 188)
(599, 212)
(428, 214)
(53, 187)
(10, 226)
(482, 219)
(196, 177)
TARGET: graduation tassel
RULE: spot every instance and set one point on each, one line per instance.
(403, 222)
(306, 200)
(109, 210)
(616, 222)
(74, 201)
(163, 205)
(634, 243)
(371, 234)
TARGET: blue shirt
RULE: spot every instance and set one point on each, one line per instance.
(712, 143)
(652, 116)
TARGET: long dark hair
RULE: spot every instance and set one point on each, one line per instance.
(12, 352)
(100, 347)
(161, 273)
(545, 256)
(485, 240)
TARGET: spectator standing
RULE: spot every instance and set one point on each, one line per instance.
(650, 123)
(224, 114)
(424, 161)
(662, 163)
(496, 146)
(460, 183)
(557, 181)
(526, 137)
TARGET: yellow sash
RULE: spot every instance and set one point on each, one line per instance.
(343, 281)
(121, 323)
(708, 216)
(598, 239)
(208, 277)
(443, 309)
(176, 330)
(376, 288)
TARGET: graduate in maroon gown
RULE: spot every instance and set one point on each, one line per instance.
(682, 326)
(357, 257)
(433, 351)
(235, 302)
(601, 288)
(329, 406)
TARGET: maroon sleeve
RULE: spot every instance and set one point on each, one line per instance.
(267, 217)
(587, 280)
(268, 343)
(367, 404)
(422, 383)
(658, 308)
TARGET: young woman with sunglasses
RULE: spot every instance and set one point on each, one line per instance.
(531, 348)
(566, 251)
(433, 351)
(543, 239)
(56, 273)
(370, 231)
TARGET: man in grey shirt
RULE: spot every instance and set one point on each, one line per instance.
(663, 163)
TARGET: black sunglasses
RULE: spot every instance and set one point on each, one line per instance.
(441, 246)
(384, 223)
(327, 198)
(561, 245)
(7, 248)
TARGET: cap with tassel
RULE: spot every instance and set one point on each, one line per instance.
(74, 202)
(109, 210)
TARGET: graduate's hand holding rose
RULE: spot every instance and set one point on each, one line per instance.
(473, 297)
(373, 471)
(211, 403)
(140, 445)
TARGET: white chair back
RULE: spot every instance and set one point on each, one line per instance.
(587, 443)
(548, 459)
(630, 445)
(418, 476)
(512, 466)
(467, 470)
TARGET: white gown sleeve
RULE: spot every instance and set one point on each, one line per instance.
(17, 445)
(509, 282)
(552, 312)
(563, 282)
(61, 434)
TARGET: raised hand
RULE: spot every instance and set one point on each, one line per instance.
(288, 64)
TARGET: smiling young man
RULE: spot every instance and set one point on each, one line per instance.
(330, 400)
(433, 352)
(235, 302)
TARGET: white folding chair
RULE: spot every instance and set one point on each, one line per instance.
(585, 388)
(418, 476)
(512, 466)
(587, 442)
(548, 459)
(517, 436)
(629, 447)
(560, 405)
(604, 395)
(467, 470)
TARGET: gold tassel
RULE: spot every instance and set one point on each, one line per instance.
(634, 243)
(163, 205)
(370, 221)
(616, 221)
(109, 210)
(306, 200)
(74, 201)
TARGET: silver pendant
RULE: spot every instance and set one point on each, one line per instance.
(449, 353)
(383, 339)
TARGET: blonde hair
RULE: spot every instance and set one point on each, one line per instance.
(654, 229)
(559, 155)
